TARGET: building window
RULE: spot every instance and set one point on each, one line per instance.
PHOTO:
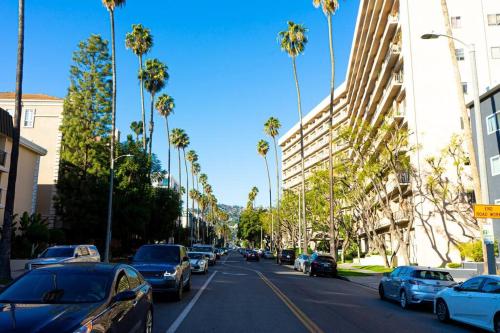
(29, 118)
(464, 87)
(493, 122)
(459, 53)
(493, 19)
(495, 165)
(495, 52)
(456, 22)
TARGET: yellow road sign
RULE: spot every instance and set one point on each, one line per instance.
(487, 211)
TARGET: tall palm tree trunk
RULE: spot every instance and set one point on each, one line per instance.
(270, 203)
(463, 110)
(187, 193)
(113, 138)
(151, 127)
(143, 109)
(303, 186)
(333, 242)
(278, 221)
(5, 242)
(168, 140)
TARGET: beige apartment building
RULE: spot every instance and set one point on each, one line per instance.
(395, 77)
(41, 119)
(30, 155)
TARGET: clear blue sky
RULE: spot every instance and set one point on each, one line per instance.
(227, 73)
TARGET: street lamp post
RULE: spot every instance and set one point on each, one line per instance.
(488, 251)
(110, 207)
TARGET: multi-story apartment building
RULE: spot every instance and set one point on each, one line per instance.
(41, 119)
(396, 77)
(30, 155)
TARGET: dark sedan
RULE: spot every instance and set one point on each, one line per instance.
(166, 267)
(252, 256)
(77, 298)
(320, 265)
(287, 257)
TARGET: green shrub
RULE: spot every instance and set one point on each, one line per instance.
(472, 250)
(453, 265)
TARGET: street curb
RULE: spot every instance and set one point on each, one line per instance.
(359, 284)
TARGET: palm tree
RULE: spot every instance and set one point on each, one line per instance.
(176, 139)
(140, 41)
(196, 196)
(263, 149)
(137, 128)
(6, 241)
(111, 5)
(293, 41)
(463, 109)
(191, 157)
(203, 207)
(251, 197)
(184, 144)
(271, 128)
(203, 180)
(329, 8)
(165, 106)
(155, 76)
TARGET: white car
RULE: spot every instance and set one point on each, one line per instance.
(199, 262)
(475, 302)
(298, 265)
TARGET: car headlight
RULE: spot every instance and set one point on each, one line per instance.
(87, 328)
(170, 272)
(201, 262)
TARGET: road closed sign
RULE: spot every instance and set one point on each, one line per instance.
(487, 211)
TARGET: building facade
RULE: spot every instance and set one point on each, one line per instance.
(30, 155)
(41, 119)
(490, 115)
(398, 80)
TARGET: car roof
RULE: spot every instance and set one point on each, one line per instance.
(69, 246)
(81, 267)
(161, 245)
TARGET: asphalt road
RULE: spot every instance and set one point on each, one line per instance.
(237, 296)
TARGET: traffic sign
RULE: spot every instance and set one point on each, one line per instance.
(487, 211)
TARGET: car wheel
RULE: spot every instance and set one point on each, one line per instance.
(497, 323)
(403, 300)
(442, 312)
(187, 287)
(148, 325)
(311, 272)
(381, 291)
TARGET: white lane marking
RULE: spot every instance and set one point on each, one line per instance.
(235, 274)
(175, 325)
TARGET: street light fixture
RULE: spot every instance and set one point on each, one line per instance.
(110, 206)
(485, 197)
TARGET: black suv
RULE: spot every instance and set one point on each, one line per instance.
(165, 266)
(287, 257)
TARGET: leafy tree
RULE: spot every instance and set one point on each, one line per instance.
(293, 42)
(165, 106)
(154, 76)
(140, 41)
(82, 185)
(250, 224)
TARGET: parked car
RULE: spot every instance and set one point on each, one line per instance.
(199, 262)
(208, 250)
(320, 265)
(475, 302)
(298, 265)
(287, 257)
(247, 251)
(78, 297)
(268, 255)
(65, 254)
(252, 256)
(166, 267)
(414, 285)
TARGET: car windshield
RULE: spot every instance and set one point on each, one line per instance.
(203, 248)
(287, 252)
(57, 252)
(324, 259)
(433, 275)
(58, 287)
(158, 254)
(195, 255)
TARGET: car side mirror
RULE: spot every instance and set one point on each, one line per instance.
(457, 288)
(76, 255)
(185, 259)
(127, 295)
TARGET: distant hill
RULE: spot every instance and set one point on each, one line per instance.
(234, 212)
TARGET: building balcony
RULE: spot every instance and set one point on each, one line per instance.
(399, 181)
